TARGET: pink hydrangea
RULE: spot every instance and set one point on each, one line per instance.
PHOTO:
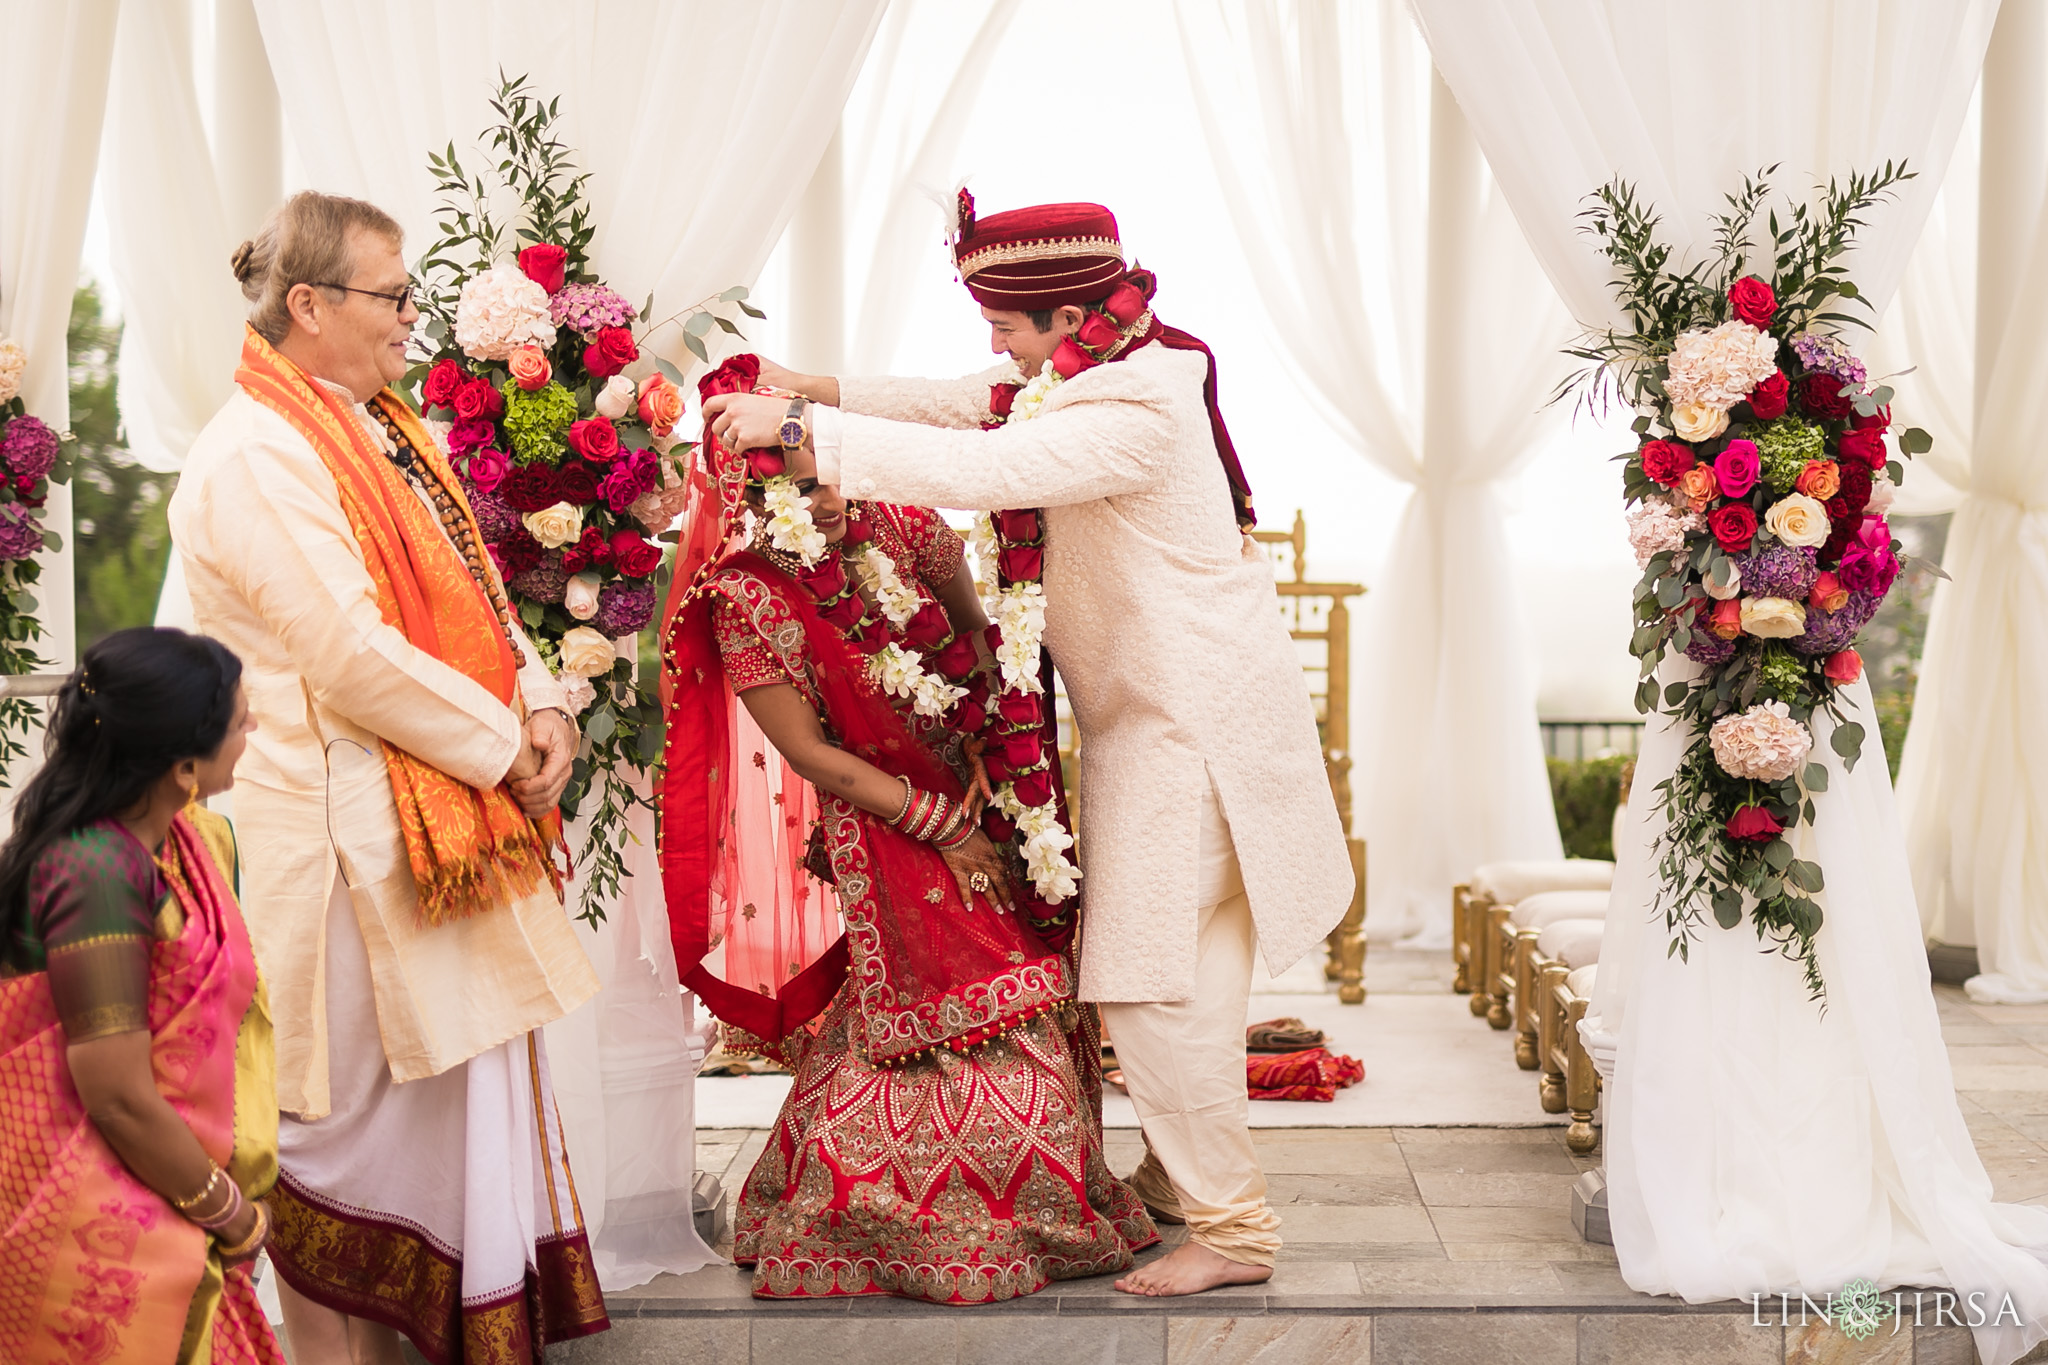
(1718, 368)
(1763, 743)
(30, 448)
(1656, 526)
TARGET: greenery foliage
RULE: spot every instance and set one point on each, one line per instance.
(1584, 794)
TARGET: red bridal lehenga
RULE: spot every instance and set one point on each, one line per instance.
(943, 1138)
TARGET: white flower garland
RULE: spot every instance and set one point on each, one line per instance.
(901, 672)
(790, 528)
(1019, 610)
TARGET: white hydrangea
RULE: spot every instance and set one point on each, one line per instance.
(1718, 368)
(499, 311)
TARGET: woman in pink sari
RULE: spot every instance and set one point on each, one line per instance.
(138, 1109)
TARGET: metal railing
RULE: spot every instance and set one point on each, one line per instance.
(1578, 740)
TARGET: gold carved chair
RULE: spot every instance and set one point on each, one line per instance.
(1318, 615)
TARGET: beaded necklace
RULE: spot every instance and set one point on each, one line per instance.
(454, 520)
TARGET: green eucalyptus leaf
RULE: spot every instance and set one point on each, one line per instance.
(697, 349)
(1816, 777)
(601, 725)
(669, 371)
(1805, 875)
(531, 612)
(1727, 908)
(1848, 740)
(697, 324)
(1778, 854)
(1674, 694)
(734, 294)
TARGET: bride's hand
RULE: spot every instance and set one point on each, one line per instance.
(979, 856)
(979, 792)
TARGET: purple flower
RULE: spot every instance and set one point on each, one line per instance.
(1829, 631)
(1779, 571)
(493, 517)
(1818, 351)
(29, 450)
(1709, 650)
(634, 474)
(545, 581)
(625, 607)
(584, 308)
(21, 535)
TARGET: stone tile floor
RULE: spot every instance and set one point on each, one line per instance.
(1410, 1246)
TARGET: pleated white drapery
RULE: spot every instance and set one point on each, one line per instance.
(51, 102)
(700, 124)
(1404, 296)
(1971, 783)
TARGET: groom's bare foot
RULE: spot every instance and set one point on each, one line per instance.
(1190, 1269)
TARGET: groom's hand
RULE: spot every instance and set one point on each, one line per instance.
(781, 376)
(745, 421)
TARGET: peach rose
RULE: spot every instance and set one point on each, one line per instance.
(1820, 480)
(661, 403)
(1726, 621)
(1772, 618)
(1698, 422)
(587, 652)
(1828, 593)
(1798, 520)
(1697, 486)
(530, 368)
(1844, 666)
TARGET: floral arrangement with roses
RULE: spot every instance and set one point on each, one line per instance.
(570, 461)
(1757, 498)
(32, 457)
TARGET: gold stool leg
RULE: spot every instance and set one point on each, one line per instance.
(1523, 1008)
(1346, 964)
(1582, 1085)
(1549, 1035)
(1499, 937)
(1461, 941)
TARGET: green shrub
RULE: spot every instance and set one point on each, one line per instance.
(1585, 794)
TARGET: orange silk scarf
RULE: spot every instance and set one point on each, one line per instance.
(470, 849)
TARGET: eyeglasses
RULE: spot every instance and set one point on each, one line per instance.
(402, 298)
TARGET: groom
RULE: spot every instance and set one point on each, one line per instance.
(1206, 821)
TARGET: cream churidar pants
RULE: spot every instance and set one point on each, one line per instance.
(1183, 1063)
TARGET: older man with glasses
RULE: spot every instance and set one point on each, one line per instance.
(398, 824)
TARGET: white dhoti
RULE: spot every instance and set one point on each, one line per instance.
(441, 1207)
(1183, 1063)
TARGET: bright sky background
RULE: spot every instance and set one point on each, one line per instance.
(1127, 136)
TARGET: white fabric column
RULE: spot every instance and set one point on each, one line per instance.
(248, 124)
(1971, 784)
(169, 239)
(817, 266)
(52, 104)
(1374, 231)
(700, 123)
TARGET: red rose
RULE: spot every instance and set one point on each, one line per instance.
(998, 767)
(1001, 398)
(464, 437)
(1754, 824)
(486, 469)
(1022, 751)
(735, 374)
(1768, 398)
(1021, 563)
(992, 636)
(1098, 334)
(1844, 666)
(595, 439)
(1035, 789)
(1734, 525)
(1667, 461)
(929, 626)
(967, 716)
(1069, 360)
(634, 555)
(441, 383)
(1876, 421)
(1017, 526)
(1753, 301)
(592, 549)
(530, 487)
(996, 825)
(1865, 444)
(1823, 395)
(575, 482)
(765, 463)
(1126, 304)
(957, 660)
(1020, 709)
(545, 264)
(478, 401)
(845, 614)
(824, 580)
(612, 351)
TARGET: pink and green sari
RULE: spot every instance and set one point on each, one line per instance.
(99, 1268)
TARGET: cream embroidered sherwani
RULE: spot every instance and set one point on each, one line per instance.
(276, 575)
(1164, 623)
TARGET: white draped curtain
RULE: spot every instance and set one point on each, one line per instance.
(1566, 95)
(700, 123)
(1972, 783)
(1405, 298)
(51, 104)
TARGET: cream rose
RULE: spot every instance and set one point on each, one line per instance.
(1698, 421)
(1720, 591)
(1797, 519)
(616, 398)
(1773, 618)
(579, 596)
(555, 526)
(13, 360)
(1882, 491)
(587, 652)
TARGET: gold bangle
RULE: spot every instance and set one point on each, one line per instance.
(187, 1205)
(254, 1240)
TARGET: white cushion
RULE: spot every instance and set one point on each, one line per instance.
(1574, 942)
(1548, 907)
(1580, 982)
(1508, 883)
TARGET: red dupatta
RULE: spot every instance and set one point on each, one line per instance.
(99, 1266)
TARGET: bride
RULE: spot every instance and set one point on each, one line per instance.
(943, 1138)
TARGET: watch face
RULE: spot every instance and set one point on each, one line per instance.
(792, 433)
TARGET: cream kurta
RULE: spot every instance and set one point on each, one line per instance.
(276, 575)
(1163, 620)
